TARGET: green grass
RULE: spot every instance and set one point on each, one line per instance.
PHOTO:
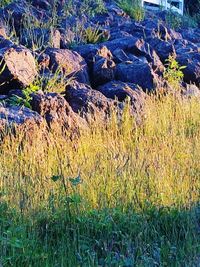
(133, 8)
(121, 194)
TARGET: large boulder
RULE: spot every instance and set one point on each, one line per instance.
(162, 48)
(18, 68)
(103, 71)
(122, 91)
(128, 43)
(142, 48)
(56, 111)
(138, 73)
(191, 61)
(15, 119)
(192, 35)
(83, 99)
(70, 63)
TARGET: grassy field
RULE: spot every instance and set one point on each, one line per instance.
(122, 194)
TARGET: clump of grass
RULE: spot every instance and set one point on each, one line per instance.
(133, 8)
(89, 8)
(93, 35)
(176, 21)
(122, 194)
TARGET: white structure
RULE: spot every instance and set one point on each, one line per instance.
(175, 5)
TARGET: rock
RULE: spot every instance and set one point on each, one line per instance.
(122, 91)
(144, 49)
(56, 111)
(103, 71)
(192, 35)
(90, 51)
(166, 34)
(5, 43)
(133, 28)
(19, 119)
(192, 63)
(117, 34)
(43, 61)
(18, 67)
(126, 43)
(191, 91)
(120, 56)
(129, 43)
(137, 73)
(83, 99)
(3, 29)
(162, 48)
(70, 63)
(18, 12)
(43, 4)
(117, 89)
(104, 52)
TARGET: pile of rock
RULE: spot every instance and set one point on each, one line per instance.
(130, 63)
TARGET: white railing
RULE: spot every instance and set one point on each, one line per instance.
(176, 5)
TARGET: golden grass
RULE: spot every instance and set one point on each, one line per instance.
(121, 193)
(156, 161)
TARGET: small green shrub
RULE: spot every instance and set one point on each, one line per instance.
(92, 7)
(173, 73)
(16, 100)
(133, 8)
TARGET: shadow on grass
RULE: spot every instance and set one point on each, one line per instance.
(111, 237)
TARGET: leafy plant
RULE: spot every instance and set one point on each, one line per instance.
(24, 100)
(173, 73)
(133, 8)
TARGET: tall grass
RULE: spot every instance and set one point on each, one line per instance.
(122, 194)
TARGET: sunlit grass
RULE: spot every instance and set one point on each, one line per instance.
(120, 193)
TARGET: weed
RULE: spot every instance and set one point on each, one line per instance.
(133, 8)
(24, 100)
(92, 35)
(173, 73)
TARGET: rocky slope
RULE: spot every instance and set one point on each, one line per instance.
(99, 59)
